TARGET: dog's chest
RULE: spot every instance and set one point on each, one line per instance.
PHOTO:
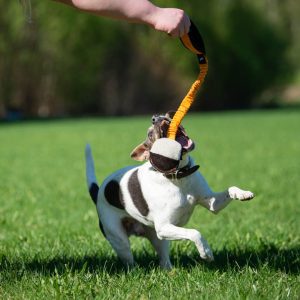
(179, 209)
(160, 198)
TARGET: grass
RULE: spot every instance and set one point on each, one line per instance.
(50, 244)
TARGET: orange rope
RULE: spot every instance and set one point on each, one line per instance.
(187, 102)
(192, 41)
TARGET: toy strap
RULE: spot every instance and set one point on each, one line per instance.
(194, 42)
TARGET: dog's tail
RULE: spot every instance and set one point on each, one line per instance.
(92, 184)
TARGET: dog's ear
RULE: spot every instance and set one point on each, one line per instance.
(170, 114)
(141, 152)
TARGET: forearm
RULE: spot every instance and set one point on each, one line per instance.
(140, 11)
(173, 21)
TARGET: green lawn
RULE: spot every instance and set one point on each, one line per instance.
(50, 244)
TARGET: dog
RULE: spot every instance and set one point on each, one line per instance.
(142, 201)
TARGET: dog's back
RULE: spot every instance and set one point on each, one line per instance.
(110, 188)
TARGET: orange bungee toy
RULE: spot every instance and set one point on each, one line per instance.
(167, 151)
(194, 42)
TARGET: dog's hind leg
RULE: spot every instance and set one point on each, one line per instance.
(117, 236)
(162, 248)
(120, 243)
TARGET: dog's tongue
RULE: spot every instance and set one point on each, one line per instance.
(184, 141)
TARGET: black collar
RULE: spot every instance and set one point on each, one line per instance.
(183, 172)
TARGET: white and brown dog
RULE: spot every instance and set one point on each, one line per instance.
(143, 201)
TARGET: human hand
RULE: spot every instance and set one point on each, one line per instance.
(173, 21)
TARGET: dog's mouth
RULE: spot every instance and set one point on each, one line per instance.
(163, 122)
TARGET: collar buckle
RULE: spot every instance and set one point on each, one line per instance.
(183, 172)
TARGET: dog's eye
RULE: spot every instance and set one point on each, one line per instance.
(154, 119)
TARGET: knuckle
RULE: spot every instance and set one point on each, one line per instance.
(180, 12)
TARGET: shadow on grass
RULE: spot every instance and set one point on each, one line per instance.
(269, 256)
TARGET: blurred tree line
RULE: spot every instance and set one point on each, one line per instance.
(70, 63)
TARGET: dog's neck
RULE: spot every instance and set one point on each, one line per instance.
(186, 168)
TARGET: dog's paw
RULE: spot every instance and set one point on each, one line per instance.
(166, 265)
(237, 193)
(205, 251)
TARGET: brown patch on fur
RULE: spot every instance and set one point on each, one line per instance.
(133, 227)
(163, 164)
(113, 194)
(134, 188)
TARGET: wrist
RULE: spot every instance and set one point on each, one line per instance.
(151, 17)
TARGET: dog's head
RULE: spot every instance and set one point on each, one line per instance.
(159, 129)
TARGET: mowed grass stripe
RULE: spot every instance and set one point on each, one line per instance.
(50, 244)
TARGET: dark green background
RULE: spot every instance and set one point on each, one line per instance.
(71, 63)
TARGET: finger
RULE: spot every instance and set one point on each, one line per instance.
(187, 25)
(174, 33)
(181, 31)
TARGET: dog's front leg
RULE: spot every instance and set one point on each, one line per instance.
(172, 232)
(217, 201)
